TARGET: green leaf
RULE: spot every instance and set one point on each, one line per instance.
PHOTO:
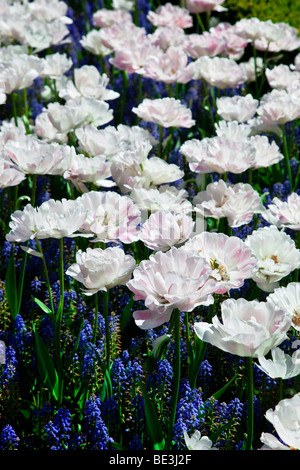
(161, 346)
(118, 446)
(26, 413)
(152, 421)
(125, 315)
(222, 390)
(43, 306)
(68, 363)
(21, 199)
(46, 366)
(81, 393)
(11, 285)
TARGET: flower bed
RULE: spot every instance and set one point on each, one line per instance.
(150, 249)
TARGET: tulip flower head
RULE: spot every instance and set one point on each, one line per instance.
(99, 269)
(177, 279)
(246, 328)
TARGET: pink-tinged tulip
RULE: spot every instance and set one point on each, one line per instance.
(233, 130)
(110, 140)
(165, 229)
(177, 279)
(52, 219)
(166, 197)
(99, 269)
(104, 17)
(268, 36)
(93, 43)
(284, 214)
(258, 126)
(200, 6)
(238, 202)
(55, 65)
(34, 156)
(110, 217)
(167, 36)
(231, 260)
(11, 130)
(114, 36)
(237, 108)
(205, 44)
(44, 129)
(171, 67)
(19, 72)
(166, 112)
(235, 45)
(169, 15)
(40, 35)
(95, 170)
(88, 83)
(286, 421)
(220, 72)
(246, 328)
(276, 254)
(288, 298)
(133, 55)
(218, 154)
(278, 37)
(10, 174)
(266, 153)
(279, 106)
(48, 11)
(132, 168)
(281, 365)
(281, 76)
(78, 112)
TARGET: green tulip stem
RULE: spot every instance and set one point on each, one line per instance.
(25, 255)
(107, 328)
(96, 318)
(250, 422)
(59, 314)
(46, 274)
(14, 107)
(176, 377)
(286, 156)
(160, 141)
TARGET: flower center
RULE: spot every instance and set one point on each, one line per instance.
(275, 258)
(220, 268)
(296, 317)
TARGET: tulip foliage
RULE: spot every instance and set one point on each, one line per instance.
(150, 220)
